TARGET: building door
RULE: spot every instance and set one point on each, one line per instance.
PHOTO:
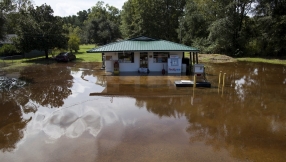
(143, 59)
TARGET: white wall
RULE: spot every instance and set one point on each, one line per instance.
(109, 63)
(132, 67)
(159, 66)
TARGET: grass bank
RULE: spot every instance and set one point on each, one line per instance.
(218, 58)
(270, 61)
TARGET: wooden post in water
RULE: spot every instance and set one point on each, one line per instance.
(192, 98)
(195, 81)
(219, 78)
(223, 79)
(191, 64)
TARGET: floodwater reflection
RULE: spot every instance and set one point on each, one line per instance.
(144, 118)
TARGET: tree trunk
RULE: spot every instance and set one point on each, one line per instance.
(47, 53)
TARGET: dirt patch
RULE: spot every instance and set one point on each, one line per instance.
(215, 58)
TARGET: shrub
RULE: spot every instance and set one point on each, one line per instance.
(8, 50)
(73, 43)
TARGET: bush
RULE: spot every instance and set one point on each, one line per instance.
(73, 43)
(8, 50)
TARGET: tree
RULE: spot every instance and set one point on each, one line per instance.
(73, 42)
(74, 20)
(193, 28)
(5, 7)
(39, 29)
(227, 31)
(82, 16)
(2, 29)
(270, 18)
(9, 15)
(158, 19)
(102, 25)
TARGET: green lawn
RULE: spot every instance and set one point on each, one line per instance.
(82, 56)
(271, 61)
(18, 62)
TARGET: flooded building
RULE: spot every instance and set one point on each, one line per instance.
(144, 54)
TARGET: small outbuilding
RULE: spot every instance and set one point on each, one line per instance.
(144, 54)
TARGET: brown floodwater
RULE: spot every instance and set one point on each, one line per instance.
(77, 112)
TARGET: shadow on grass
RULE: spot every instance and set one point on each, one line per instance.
(37, 60)
(78, 60)
(40, 60)
(47, 61)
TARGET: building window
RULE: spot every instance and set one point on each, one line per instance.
(126, 57)
(160, 57)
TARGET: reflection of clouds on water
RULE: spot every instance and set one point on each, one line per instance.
(91, 79)
(277, 126)
(255, 72)
(239, 87)
(72, 122)
(83, 83)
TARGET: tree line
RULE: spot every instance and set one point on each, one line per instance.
(233, 27)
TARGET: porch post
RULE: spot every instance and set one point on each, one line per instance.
(190, 64)
(197, 57)
(103, 61)
(194, 58)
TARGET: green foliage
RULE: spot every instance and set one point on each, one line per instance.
(2, 27)
(39, 29)
(82, 16)
(73, 43)
(8, 50)
(203, 44)
(9, 15)
(76, 31)
(102, 25)
(73, 20)
(5, 6)
(270, 20)
(194, 25)
(233, 27)
(157, 19)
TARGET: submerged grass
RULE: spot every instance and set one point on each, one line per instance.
(271, 61)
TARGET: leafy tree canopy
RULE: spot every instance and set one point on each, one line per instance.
(102, 25)
(73, 42)
(158, 19)
(39, 29)
(9, 15)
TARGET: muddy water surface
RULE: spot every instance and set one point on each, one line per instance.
(76, 112)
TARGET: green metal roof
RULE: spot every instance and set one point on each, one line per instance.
(142, 44)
